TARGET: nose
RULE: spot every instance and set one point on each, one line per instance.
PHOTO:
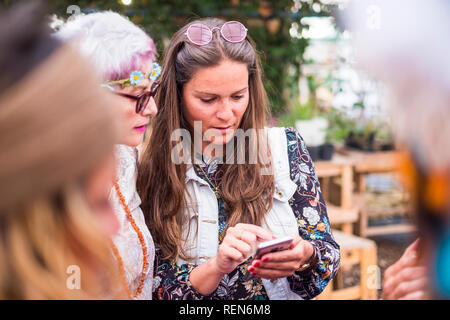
(225, 111)
(150, 109)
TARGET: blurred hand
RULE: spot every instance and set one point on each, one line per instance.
(238, 245)
(284, 263)
(406, 279)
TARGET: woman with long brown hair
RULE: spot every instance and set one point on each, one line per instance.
(57, 132)
(206, 212)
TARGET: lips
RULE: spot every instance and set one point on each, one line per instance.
(141, 128)
(223, 129)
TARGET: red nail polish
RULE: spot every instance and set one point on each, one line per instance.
(265, 259)
(256, 264)
(251, 269)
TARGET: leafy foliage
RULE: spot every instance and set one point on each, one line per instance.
(269, 24)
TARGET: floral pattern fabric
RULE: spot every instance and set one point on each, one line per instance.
(172, 281)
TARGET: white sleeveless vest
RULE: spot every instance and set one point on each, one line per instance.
(202, 235)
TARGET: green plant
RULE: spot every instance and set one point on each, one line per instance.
(339, 126)
(300, 111)
(269, 22)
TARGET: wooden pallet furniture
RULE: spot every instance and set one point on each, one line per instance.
(370, 163)
(341, 216)
(352, 166)
(344, 215)
(354, 250)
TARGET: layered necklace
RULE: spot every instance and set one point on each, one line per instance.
(143, 245)
(216, 188)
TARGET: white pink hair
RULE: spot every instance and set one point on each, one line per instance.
(113, 44)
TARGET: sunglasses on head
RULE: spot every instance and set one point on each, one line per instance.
(232, 31)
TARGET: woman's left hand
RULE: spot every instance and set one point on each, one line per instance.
(283, 263)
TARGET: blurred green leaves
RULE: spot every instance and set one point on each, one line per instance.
(268, 22)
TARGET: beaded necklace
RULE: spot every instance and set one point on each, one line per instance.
(143, 245)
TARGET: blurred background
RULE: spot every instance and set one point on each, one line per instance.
(314, 85)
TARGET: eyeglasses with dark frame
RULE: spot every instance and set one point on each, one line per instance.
(142, 99)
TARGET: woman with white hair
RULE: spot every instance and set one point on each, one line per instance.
(124, 55)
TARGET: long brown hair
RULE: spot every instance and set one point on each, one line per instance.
(161, 183)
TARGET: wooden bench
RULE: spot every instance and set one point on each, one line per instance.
(352, 167)
(354, 250)
(342, 218)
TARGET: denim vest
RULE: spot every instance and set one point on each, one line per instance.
(202, 236)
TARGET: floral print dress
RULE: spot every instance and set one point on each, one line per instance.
(172, 281)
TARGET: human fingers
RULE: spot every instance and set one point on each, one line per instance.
(416, 295)
(407, 274)
(234, 235)
(405, 261)
(248, 237)
(269, 273)
(230, 252)
(413, 247)
(287, 266)
(260, 232)
(398, 280)
(410, 288)
(243, 247)
(301, 252)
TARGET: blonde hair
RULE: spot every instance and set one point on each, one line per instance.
(56, 126)
(47, 243)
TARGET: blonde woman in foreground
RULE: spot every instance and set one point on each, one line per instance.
(57, 132)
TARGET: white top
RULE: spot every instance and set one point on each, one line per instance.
(127, 240)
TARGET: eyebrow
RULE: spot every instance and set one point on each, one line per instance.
(215, 94)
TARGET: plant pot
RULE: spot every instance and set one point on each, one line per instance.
(314, 153)
(361, 142)
(326, 151)
(387, 147)
(312, 131)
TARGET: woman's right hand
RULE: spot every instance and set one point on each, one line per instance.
(238, 244)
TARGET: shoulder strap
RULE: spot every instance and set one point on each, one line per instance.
(278, 147)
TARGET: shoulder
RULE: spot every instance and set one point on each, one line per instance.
(290, 135)
(295, 142)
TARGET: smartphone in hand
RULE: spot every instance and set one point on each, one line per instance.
(274, 245)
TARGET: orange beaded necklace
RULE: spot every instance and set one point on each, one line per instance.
(143, 245)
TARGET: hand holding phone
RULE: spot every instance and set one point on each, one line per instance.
(274, 245)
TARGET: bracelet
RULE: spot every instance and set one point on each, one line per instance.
(311, 262)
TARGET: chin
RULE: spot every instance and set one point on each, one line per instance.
(134, 140)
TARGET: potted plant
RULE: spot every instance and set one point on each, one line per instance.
(304, 117)
(336, 132)
(384, 140)
(362, 138)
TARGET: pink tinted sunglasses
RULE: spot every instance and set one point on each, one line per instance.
(232, 31)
